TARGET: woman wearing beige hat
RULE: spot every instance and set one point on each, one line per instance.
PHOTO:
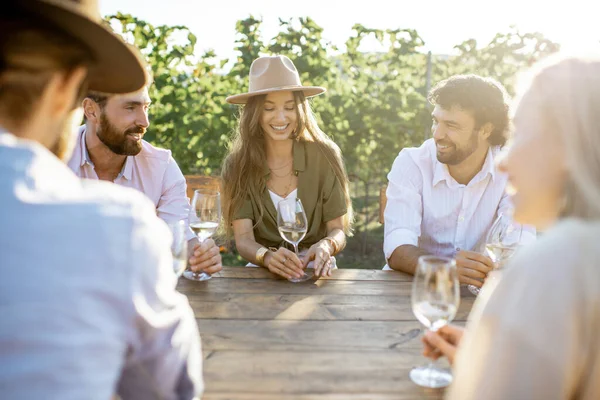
(278, 153)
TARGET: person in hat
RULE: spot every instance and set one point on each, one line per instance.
(279, 152)
(110, 146)
(87, 295)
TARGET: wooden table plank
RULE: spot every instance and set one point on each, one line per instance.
(337, 336)
(308, 307)
(427, 395)
(338, 274)
(311, 372)
(272, 286)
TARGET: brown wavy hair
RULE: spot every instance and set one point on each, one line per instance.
(243, 166)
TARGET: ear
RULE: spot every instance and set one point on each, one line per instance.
(91, 110)
(486, 130)
(62, 91)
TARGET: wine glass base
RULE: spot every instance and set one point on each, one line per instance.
(431, 377)
(474, 289)
(303, 278)
(196, 276)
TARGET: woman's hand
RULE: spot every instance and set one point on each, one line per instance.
(320, 252)
(284, 262)
(443, 342)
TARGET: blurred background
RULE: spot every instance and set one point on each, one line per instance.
(377, 58)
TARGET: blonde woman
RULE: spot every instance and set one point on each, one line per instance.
(279, 152)
(536, 334)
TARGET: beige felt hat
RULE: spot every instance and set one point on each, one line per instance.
(118, 68)
(274, 74)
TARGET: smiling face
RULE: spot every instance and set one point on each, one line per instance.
(123, 122)
(455, 134)
(279, 116)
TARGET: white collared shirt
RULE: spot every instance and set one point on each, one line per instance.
(427, 208)
(87, 294)
(153, 172)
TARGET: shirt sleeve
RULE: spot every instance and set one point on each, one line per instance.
(174, 204)
(164, 358)
(404, 208)
(530, 334)
(245, 211)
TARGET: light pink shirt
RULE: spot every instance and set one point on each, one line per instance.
(153, 172)
(427, 208)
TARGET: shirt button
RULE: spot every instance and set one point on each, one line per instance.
(461, 218)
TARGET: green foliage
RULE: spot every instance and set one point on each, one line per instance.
(375, 105)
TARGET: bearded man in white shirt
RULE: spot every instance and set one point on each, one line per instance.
(110, 147)
(444, 196)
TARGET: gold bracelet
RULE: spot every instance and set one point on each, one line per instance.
(334, 244)
(260, 255)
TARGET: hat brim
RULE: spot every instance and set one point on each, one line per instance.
(309, 91)
(118, 68)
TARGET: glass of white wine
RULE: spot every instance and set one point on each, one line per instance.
(435, 300)
(204, 217)
(179, 246)
(292, 226)
(502, 241)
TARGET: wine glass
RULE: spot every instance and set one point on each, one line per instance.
(435, 300)
(179, 246)
(292, 226)
(205, 215)
(502, 241)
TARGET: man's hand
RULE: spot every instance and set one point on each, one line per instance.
(473, 267)
(206, 258)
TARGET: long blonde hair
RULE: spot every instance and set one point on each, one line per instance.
(569, 89)
(243, 166)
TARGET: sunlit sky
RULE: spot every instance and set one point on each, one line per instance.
(442, 24)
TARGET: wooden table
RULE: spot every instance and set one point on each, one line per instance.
(352, 336)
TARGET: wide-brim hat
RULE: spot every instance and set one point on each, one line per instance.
(274, 74)
(117, 67)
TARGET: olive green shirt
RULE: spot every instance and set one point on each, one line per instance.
(319, 190)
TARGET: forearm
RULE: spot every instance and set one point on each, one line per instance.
(405, 258)
(247, 248)
(339, 237)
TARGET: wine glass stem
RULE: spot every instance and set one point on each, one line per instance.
(430, 367)
(197, 274)
(296, 248)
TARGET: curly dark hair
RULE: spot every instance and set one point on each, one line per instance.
(486, 98)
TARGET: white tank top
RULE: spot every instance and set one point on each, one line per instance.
(277, 198)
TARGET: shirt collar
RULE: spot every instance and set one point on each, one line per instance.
(85, 156)
(441, 172)
(127, 169)
(299, 156)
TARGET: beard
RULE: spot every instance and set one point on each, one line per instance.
(116, 140)
(66, 135)
(455, 155)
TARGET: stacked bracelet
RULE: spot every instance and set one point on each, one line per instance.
(260, 255)
(334, 244)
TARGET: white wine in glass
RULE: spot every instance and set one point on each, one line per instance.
(204, 217)
(502, 241)
(435, 299)
(292, 225)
